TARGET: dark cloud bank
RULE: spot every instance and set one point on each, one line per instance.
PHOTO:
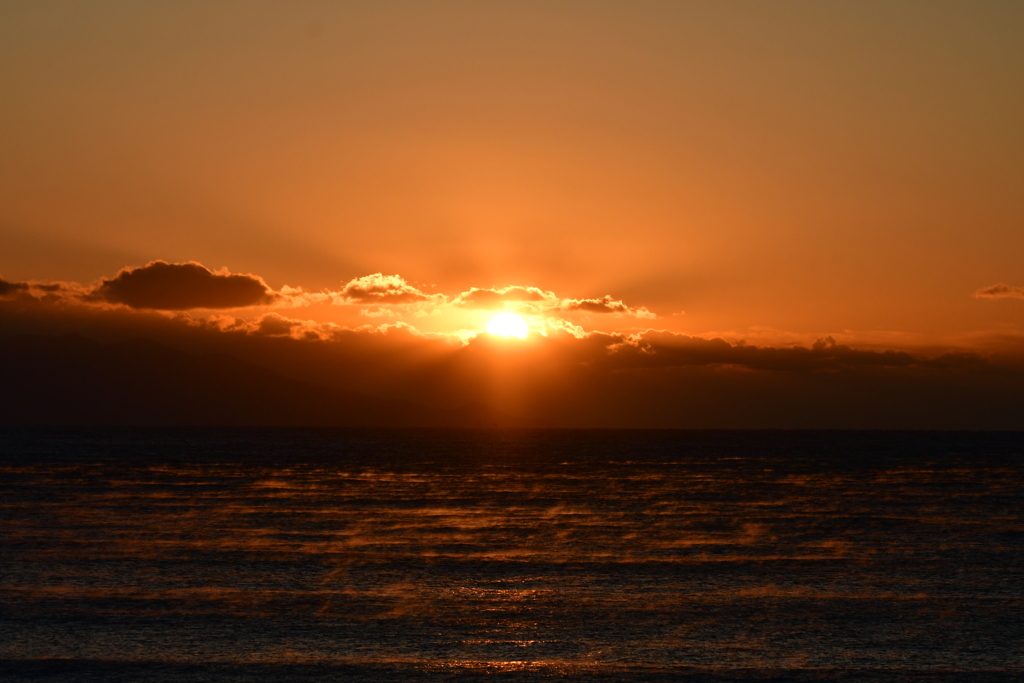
(73, 380)
(182, 286)
(7, 288)
(121, 366)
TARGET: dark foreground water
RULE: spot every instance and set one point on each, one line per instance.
(282, 555)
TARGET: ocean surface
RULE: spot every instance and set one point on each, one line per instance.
(316, 555)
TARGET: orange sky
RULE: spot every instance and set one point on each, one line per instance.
(777, 171)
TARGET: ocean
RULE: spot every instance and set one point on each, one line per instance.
(316, 555)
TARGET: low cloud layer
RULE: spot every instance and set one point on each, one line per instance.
(652, 378)
(562, 375)
(182, 286)
(1000, 291)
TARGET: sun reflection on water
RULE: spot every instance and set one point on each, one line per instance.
(575, 567)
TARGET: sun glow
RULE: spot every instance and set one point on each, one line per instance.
(508, 325)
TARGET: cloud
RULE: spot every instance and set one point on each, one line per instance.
(489, 298)
(50, 287)
(163, 286)
(570, 377)
(662, 349)
(544, 302)
(8, 288)
(378, 288)
(378, 313)
(1000, 291)
(563, 376)
(297, 296)
(181, 286)
(606, 304)
(385, 291)
(274, 324)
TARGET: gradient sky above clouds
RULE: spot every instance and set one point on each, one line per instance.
(768, 168)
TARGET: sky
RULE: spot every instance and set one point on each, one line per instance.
(762, 174)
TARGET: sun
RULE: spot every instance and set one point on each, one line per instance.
(508, 325)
